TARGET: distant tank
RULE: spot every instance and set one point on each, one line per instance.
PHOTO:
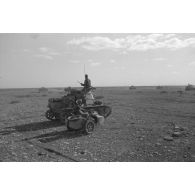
(190, 87)
(43, 90)
(62, 108)
(132, 87)
(159, 87)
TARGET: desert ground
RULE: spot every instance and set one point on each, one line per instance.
(146, 124)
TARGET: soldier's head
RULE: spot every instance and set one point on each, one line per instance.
(86, 76)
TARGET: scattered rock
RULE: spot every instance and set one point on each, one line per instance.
(193, 157)
(176, 134)
(41, 154)
(156, 153)
(177, 127)
(183, 129)
(168, 138)
(158, 144)
(188, 147)
(82, 152)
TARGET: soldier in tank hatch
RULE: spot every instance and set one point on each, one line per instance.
(87, 84)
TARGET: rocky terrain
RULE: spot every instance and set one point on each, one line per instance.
(147, 124)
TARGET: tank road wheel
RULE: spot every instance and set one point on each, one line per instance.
(89, 126)
(50, 115)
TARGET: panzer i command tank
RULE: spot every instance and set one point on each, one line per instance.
(62, 108)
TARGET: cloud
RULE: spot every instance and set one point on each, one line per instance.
(44, 56)
(54, 53)
(95, 64)
(44, 49)
(96, 43)
(119, 68)
(112, 61)
(192, 64)
(175, 72)
(46, 53)
(134, 42)
(158, 59)
(26, 50)
(74, 61)
(170, 66)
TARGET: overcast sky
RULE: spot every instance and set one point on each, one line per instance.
(57, 60)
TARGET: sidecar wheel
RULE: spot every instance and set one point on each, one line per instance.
(89, 126)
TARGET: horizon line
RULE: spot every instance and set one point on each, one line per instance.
(97, 86)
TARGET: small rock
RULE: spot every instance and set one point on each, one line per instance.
(75, 154)
(177, 128)
(82, 152)
(41, 154)
(189, 147)
(158, 144)
(156, 153)
(176, 134)
(168, 138)
(182, 129)
(193, 157)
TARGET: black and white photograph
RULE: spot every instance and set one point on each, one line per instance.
(97, 97)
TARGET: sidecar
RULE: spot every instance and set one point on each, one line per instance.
(85, 122)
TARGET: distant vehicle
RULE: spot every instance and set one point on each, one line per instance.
(132, 87)
(43, 90)
(190, 87)
(159, 87)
